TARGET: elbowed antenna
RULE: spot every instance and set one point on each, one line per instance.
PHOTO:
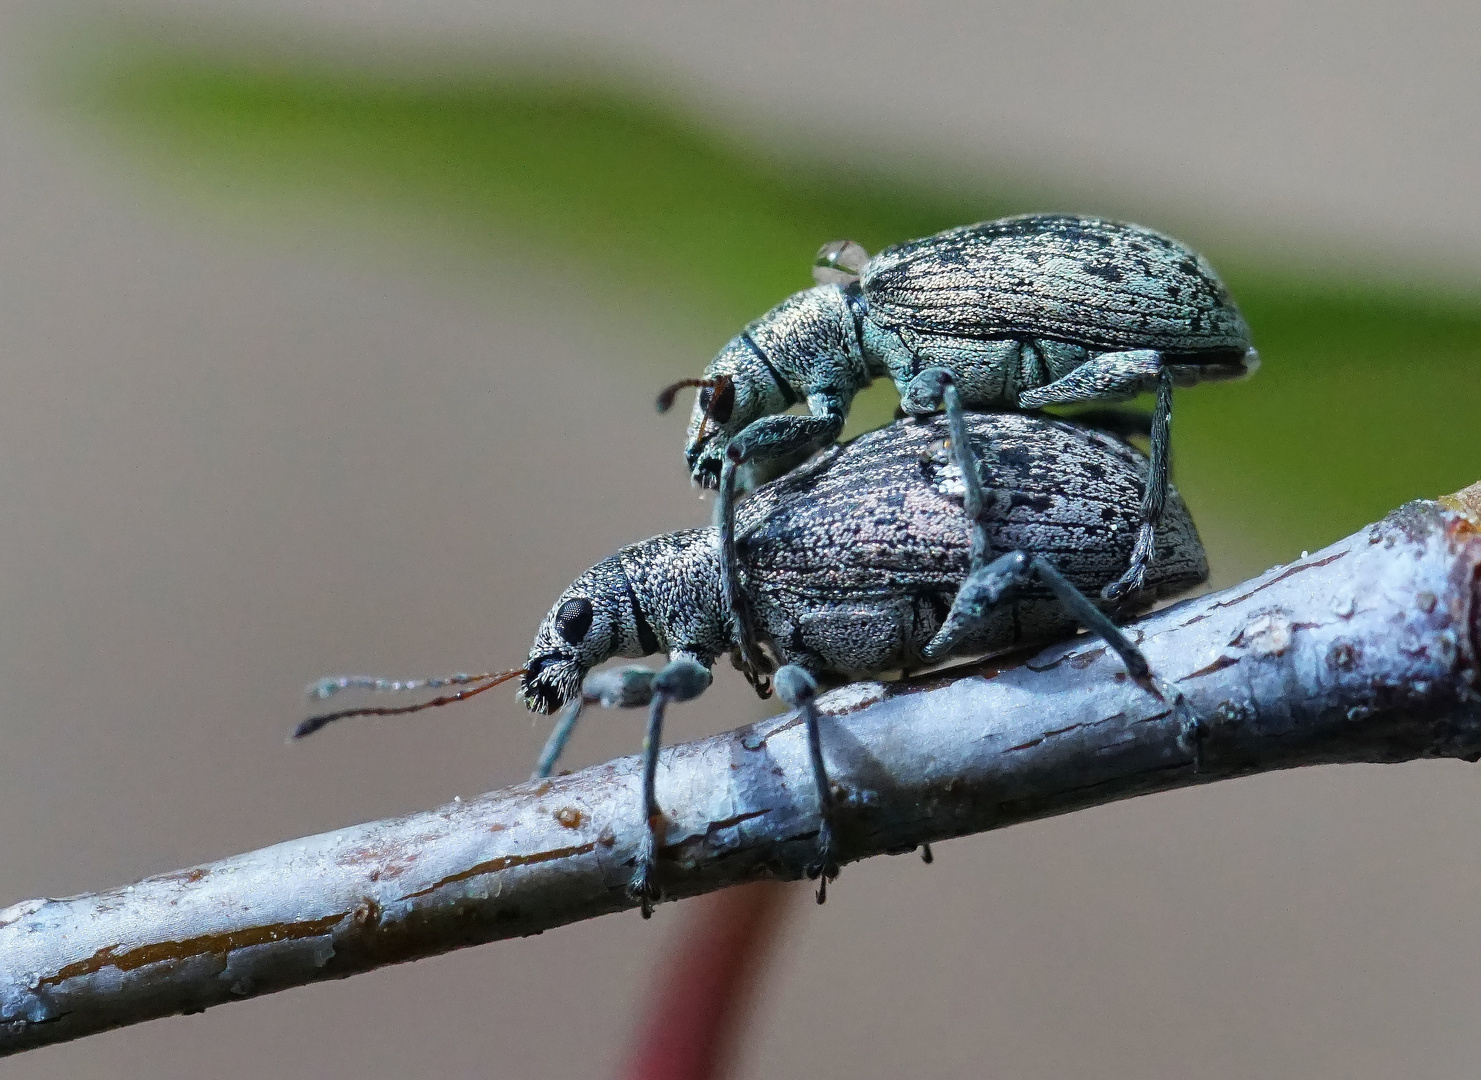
(333, 684)
(327, 687)
(666, 396)
(722, 398)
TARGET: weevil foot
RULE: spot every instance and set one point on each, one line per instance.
(1190, 728)
(644, 885)
(1135, 578)
(823, 868)
(926, 855)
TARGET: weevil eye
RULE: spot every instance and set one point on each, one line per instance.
(721, 403)
(718, 404)
(573, 620)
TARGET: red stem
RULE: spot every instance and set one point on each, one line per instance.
(705, 989)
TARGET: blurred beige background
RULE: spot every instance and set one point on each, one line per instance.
(232, 460)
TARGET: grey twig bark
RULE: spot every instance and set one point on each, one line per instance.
(1366, 651)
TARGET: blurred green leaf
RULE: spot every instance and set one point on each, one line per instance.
(1354, 411)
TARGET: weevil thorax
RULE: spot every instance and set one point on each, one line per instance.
(807, 344)
(655, 596)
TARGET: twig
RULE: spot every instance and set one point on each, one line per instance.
(1363, 652)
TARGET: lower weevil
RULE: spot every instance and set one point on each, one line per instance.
(862, 562)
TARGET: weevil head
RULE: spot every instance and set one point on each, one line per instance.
(594, 620)
(739, 386)
(806, 344)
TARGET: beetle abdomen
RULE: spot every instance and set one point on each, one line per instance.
(879, 521)
(1102, 284)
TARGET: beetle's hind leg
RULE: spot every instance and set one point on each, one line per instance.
(985, 588)
(1117, 376)
(799, 689)
(1153, 499)
(988, 582)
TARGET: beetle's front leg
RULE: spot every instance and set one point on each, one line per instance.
(799, 689)
(679, 680)
(751, 661)
(769, 437)
(624, 687)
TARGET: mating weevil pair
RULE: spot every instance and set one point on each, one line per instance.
(1042, 309)
(863, 561)
(860, 562)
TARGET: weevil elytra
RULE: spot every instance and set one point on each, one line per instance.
(1024, 312)
(863, 561)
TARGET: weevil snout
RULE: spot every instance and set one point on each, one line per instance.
(549, 682)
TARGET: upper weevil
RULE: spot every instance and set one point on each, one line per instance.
(1042, 309)
(881, 554)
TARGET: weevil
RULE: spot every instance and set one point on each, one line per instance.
(881, 554)
(1024, 312)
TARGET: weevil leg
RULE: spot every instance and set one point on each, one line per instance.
(799, 689)
(1108, 377)
(1112, 376)
(1153, 499)
(765, 439)
(643, 887)
(559, 736)
(975, 600)
(753, 662)
(938, 386)
(1097, 622)
(679, 680)
(987, 582)
(622, 687)
(986, 587)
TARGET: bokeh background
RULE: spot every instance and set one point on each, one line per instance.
(328, 340)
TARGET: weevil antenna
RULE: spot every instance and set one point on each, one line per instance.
(314, 723)
(333, 684)
(666, 396)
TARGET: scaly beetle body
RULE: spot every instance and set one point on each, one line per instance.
(862, 561)
(1024, 312)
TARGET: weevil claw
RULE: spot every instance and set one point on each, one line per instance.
(823, 868)
(643, 887)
